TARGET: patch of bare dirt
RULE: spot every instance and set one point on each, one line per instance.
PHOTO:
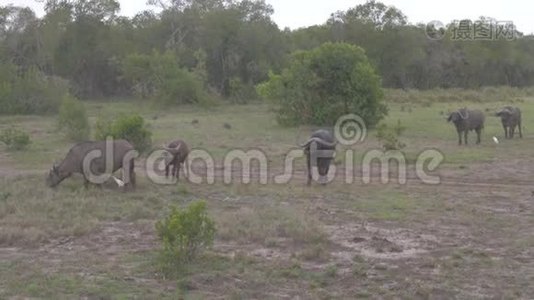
(110, 242)
(5, 166)
(375, 242)
(252, 250)
(499, 172)
(112, 239)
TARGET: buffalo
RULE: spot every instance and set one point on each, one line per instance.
(510, 118)
(319, 150)
(465, 120)
(178, 154)
(122, 156)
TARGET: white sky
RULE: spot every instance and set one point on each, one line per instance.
(301, 13)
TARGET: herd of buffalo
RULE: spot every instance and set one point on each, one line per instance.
(464, 120)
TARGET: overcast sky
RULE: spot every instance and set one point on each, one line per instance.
(300, 13)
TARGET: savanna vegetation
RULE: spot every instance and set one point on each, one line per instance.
(221, 75)
(216, 51)
(342, 240)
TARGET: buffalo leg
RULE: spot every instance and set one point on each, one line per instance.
(478, 130)
(177, 171)
(167, 167)
(132, 173)
(325, 176)
(465, 137)
(520, 132)
(459, 138)
(512, 131)
(309, 169)
(132, 180)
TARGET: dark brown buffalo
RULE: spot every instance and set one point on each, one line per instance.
(510, 119)
(74, 160)
(179, 151)
(319, 150)
(466, 120)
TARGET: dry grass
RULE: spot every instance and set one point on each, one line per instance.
(456, 95)
(266, 224)
(279, 241)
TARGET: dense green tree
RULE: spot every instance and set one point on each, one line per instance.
(376, 14)
(322, 84)
(229, 46)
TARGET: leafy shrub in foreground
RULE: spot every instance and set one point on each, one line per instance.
(184, 234)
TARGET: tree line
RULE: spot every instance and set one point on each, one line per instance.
(192, 51)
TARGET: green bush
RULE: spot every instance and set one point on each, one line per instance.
(389, 136)
(15, 139)
(324, 83)
(73, 119)
(240, 92)
(131, 128)
(29, 92)
(159, 76)
(181, 88)
(184, 234)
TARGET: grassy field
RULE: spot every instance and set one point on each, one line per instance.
(469, 237)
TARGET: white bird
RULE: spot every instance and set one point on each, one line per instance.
(119, 182)
(495, 140)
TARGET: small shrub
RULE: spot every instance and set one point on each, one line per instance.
(73, 119)
(15, 139)
(185, 233)
(131, 128)
(389, 136)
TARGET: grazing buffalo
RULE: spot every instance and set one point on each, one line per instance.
(319, 150)
(179, 151)
(510, 118)
(122, 156)
(465, 120)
